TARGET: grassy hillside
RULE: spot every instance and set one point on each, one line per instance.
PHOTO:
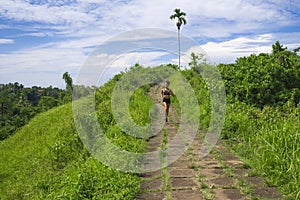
(47, 160)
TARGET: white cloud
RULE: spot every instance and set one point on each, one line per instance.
(225, 29)
(98, 68)
(32, 34)
(208, 18)
(228, 51)
(43, 64)
(24, 11)
(216, 18)
(6, 41)
(143, 58)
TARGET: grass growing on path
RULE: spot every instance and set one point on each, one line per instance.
(269, 140)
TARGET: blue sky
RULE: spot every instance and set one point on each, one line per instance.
(42, 39)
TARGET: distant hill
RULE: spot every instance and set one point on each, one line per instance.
(46, 160)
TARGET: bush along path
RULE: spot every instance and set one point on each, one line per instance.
(220, 175)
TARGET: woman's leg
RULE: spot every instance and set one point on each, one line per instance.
(166, 110)
(168, 106)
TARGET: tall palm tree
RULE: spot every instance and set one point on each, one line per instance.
(180, 20)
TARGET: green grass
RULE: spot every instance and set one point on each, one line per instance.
(26, 156)
(47, 160)
(269, 141)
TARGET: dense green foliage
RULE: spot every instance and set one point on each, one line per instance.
(263, 115)
(264, 79)
(19, 104)
(269, 140)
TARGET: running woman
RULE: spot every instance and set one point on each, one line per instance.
(166, 92)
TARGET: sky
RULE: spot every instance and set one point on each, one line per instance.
(42, 39)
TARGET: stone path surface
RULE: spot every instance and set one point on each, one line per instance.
(218, 176)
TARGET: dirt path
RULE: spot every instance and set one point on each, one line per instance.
(220, 175)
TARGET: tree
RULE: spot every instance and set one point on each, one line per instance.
(67, 96)
(198, 61)
(180, 20)
(47, 102)
(277, 47)
(296, 50)
(68, 80)
(264, 79)
(18, 104)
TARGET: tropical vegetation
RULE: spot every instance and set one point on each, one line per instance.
(46, 158)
